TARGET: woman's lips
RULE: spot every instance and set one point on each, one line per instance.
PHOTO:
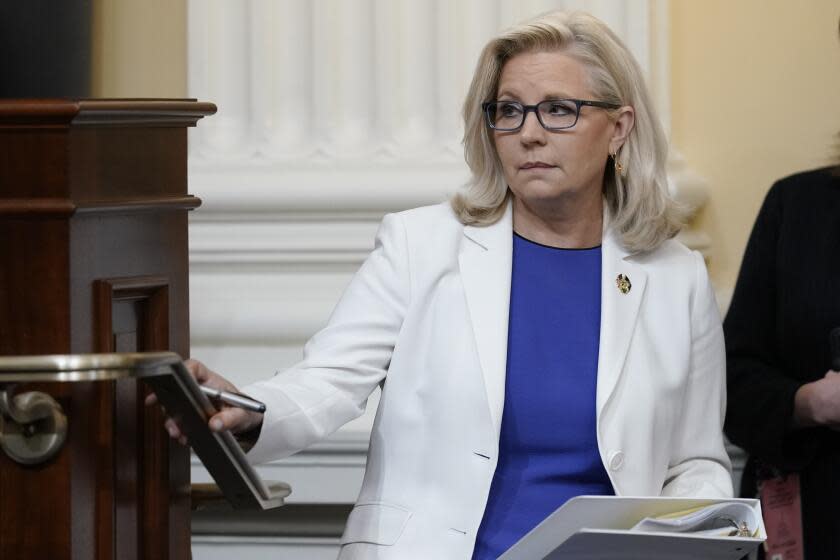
(535, 165)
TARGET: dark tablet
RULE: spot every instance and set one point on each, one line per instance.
(221, 454)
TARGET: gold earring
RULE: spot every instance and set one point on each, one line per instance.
(619, 169)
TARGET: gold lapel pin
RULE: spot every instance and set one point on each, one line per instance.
(623, 283)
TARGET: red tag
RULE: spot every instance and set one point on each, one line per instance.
(781, 505)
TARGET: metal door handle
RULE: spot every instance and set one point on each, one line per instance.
(33, 426)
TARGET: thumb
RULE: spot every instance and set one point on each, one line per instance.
(227, 419)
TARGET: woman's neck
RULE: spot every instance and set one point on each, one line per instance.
(570, 226)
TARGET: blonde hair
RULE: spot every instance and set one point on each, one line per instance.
(642, 212)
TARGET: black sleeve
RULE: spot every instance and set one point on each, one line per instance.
(760, 400)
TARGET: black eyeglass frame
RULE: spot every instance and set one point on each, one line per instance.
(535, 108)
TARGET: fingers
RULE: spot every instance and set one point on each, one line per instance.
(172, 428)
(205, 376)
(174, 431)
(227, 419)
(198, 370)
(234, 419)
(151, 399)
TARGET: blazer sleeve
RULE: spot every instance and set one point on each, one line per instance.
(699, 463)
(344, 362)
(761, 393)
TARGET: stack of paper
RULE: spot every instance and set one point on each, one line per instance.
(726, 519)
(631, 528)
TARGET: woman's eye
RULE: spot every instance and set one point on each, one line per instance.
(509, 110)
(559, 109)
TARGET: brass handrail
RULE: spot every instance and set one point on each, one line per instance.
(84, 367)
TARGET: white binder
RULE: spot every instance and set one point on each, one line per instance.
(598, 528)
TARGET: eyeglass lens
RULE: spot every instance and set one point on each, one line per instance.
(510, 115)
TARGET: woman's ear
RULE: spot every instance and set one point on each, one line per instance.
(622, 126)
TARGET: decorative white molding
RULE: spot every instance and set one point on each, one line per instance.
(344, 189)
(691, 191)
(282, 242)
(225, 547)
(321, 101)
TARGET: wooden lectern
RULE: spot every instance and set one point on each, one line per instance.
(93, 258)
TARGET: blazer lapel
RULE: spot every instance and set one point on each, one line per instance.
(619, 309)
(485, 262)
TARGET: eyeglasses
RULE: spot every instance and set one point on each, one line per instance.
(553, 114)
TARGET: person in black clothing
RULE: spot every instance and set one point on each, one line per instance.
(784, 401)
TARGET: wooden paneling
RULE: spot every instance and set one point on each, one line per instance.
(34, 287)
(132, 314)
(18, 177)
(111, 163)
(93, 258)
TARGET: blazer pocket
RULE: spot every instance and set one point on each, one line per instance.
(375, 523)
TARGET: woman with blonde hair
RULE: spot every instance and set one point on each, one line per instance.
(539, 337)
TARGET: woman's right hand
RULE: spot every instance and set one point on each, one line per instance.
(237, 420)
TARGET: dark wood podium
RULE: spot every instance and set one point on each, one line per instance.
(93, 258)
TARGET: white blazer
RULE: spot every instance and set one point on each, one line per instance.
(426, 317)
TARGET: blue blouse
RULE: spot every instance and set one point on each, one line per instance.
(548, 448)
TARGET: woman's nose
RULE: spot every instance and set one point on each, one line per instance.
(532, 131)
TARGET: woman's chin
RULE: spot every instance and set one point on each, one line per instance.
(541, 191)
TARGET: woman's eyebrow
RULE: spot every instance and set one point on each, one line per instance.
(547, 97)
(506, 93)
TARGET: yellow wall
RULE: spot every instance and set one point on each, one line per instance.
(139, 48)
(755, 97)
